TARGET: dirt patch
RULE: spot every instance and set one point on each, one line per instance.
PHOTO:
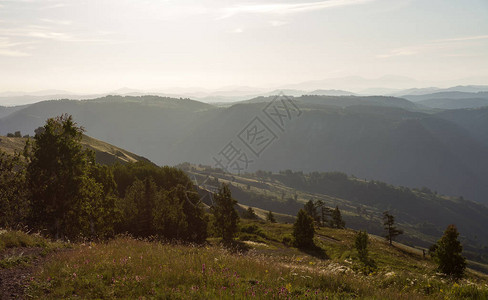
(14, 279)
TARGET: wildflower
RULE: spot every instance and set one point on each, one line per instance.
(288, 287)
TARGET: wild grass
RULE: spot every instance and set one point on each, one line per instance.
(130, 268)
(16, 238)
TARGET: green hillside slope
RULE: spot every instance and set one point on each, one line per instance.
(104, 153)
(422, 214)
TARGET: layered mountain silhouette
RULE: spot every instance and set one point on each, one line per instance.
(382, 138)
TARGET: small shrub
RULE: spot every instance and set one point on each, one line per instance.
(254, 229)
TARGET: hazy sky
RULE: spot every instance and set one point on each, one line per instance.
(101, 45)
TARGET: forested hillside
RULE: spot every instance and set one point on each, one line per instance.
(383, 138)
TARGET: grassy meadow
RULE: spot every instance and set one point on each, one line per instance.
(130, 268)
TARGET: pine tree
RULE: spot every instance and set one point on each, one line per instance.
(303, 230)
(322, 215)
(225, 215)
(270, 217)
(310, 209)
(361, 243)
(389, 225)
(139, 203)
(337, 221)
(448, 253)
(170, 221)
(249, 214)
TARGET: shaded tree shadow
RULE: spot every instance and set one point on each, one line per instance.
(314, 251)
(235, 246)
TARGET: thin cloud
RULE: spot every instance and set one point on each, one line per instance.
(277, 23)
(399, 52)
(466, 38)
(57, 5)
(57, 22)
(428, 47)
(286, 8)
(46, 33)
(7, 48)
(13, 53)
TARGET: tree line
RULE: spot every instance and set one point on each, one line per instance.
(55, 186)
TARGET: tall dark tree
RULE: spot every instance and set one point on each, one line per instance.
(303, 230)
(337, 220)
(448, 253)
(319, 207)
(103, 216)
(270, 217)
(225, 215)
(14, 202)
(58, 177)
(311, 209)
(389, 225)
(170, 221)
(196, 219)
(138, 206)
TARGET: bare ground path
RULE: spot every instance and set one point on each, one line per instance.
(14, 279)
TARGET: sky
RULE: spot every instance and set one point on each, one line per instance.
(89, 46)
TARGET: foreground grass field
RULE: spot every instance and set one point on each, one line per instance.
(129, 268)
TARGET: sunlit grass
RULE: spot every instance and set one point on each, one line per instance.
(16, 238)
(129, 268)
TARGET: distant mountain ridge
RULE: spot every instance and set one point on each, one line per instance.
(329, 87)
(446, 95)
